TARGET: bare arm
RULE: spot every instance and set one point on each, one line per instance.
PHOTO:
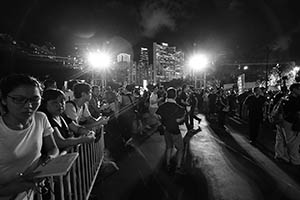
(78, 129)
(92, 122)
(50, 146)
(63, 143)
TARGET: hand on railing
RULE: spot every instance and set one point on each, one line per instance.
(104, 120)
(89, 138)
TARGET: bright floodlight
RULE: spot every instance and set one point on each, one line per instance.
(99, 59)
(198, 62)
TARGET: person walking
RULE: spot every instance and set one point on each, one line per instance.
(193, 102)
(171, 115)
(182, 100)
(154, 100)
(287, 135)
(222, 108)
(127, 114)
(255, 105)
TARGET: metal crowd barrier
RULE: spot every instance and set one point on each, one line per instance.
(78, 182)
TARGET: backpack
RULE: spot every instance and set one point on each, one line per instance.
(276, 115)
(127, 105)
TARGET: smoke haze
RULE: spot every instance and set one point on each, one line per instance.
(153, 19)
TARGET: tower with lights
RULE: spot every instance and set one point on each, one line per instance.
(167, 62)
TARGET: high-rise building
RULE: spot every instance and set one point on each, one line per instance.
(144, 58)
(123, 57)
(133, 73)
(123, 68)
(167, 63)
(143, 71)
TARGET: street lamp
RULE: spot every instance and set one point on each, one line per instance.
(99, 61)
(199, 62)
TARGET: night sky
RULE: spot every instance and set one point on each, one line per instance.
(218, 26)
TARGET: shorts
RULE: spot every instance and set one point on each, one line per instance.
(173, 140)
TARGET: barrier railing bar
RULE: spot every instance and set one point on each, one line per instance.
(69, 186)
(87, 166)
(74, 181)
(62, 192)
(90, 162)
(52, 188)
(39, 196)
(83, 170)
(94, 179)
(79, 176)
(78, 182)
(98, 164)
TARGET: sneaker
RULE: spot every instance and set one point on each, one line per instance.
(129, 142)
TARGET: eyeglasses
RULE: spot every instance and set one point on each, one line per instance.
(21, 100)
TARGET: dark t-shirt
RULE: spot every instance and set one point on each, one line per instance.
(169, 112)
(110, 96)
(182, 97)
(255, 106)
(212, 100)
(63, 128)
(192, 99)
(291, 108)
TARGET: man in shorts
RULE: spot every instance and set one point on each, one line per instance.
(171, 115)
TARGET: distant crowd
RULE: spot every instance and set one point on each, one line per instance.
(39, 121)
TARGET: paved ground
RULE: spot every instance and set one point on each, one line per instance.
(220, 165)
(266, 143)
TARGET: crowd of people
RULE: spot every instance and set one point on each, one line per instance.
(40, 121)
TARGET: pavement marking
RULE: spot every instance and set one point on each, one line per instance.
(222, 177)
(286, 184)
(235, 120)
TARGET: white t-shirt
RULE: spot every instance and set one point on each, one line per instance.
(19, 149)
(153, 97)
(69, 95)
(77, 114)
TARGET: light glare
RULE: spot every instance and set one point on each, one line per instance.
(99, 59)
(198, 62)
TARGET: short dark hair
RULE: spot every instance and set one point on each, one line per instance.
(256, 88)
(71, 83)
(48, 95)
(49, 82)
(129, 88)
(171, 93)
(11, 82)
(80, 88)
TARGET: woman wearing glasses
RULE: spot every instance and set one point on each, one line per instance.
(23, 133)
